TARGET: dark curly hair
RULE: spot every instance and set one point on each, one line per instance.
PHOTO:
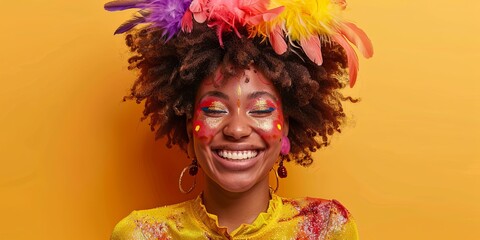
(170, 73)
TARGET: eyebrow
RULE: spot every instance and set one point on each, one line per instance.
(261, 93)
(215, 94)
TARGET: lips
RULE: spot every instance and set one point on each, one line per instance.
(237, 154)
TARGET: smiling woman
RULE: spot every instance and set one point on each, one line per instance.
(238, 130)
(238, 105)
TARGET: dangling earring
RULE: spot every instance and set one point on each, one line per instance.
(285, 150)
(192, 170)
(281, 171)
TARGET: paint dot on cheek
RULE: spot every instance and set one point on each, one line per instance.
(279, 126)
(197, 128)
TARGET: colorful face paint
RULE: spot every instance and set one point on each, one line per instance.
(268, 117)
(208, 116)
(237, 127)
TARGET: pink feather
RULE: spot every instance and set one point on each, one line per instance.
(277, 41)
(313, 49)
(196, 7)
(232, 15)
(267, 15)
(351, 57)
(358, 37)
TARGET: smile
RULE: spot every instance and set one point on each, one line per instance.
(237, 155)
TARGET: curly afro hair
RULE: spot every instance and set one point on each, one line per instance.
(170, 73)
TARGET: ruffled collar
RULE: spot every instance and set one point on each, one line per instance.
(262, 223)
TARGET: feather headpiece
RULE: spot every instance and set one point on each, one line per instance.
(304, 23)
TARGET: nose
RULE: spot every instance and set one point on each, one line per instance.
(237, 127)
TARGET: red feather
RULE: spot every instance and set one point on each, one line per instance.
(187, 22)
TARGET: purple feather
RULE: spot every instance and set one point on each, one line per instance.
(167, 15)
(120, 5)
(129, 24)
(164, 14)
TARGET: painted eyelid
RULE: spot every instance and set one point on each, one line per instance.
(213, 109)
(263, 110)
(212, 105)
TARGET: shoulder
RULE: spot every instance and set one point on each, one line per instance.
(327, 219)
(153, 223)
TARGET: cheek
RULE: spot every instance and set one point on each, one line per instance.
(270, 128)
(204, 128)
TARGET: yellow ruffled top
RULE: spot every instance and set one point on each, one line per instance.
(305, 218)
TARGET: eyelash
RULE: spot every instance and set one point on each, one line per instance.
(208, 110)
(263, 111)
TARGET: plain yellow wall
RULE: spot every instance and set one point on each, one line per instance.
(75, 159)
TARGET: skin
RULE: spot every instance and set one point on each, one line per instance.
(243, 116)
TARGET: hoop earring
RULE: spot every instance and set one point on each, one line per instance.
(278, 182)
(192, 170)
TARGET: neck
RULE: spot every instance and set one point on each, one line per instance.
(234, 209)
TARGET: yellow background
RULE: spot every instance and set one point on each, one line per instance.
(75, 159)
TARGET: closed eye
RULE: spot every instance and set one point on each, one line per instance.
(208, 110)
(263, 111)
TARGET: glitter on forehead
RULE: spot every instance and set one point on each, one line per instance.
(239, 90)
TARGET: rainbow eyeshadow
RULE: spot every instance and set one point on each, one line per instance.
(212, 106)
(207, 118)
(263, 106)
(267, 119)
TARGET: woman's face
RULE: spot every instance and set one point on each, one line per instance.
(237, 128)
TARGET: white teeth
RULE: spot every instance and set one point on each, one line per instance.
(237, 155)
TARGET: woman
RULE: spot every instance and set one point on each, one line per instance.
(242, 86)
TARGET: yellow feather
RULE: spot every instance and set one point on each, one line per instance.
(302, 19)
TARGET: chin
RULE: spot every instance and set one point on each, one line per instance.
(238, 182)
